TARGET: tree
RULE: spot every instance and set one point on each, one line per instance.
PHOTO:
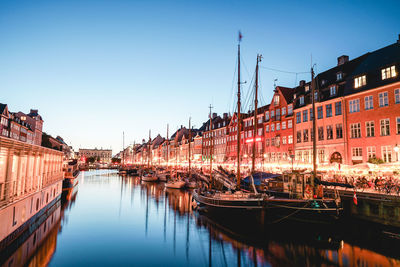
(91, 159)
(115, 160)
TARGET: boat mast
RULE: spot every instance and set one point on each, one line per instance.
(238, 117)
(123, 149)
(314, 125)
(149, 154)
(190, 138)
(211, 145)
(167, 146)
(255, 116)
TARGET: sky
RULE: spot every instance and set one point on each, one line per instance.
(96, 69)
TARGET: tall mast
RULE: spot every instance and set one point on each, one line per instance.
(167, 146)
(190, 138)
(211, 145)
(314, 126)
(149, 154)
(238, 116)
(123, 149)
(255, 116)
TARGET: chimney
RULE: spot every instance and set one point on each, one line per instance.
(302, 83)
(225, 116)
(214, 115)
(342, 59)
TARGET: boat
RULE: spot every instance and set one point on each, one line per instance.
(71, 172)
(177, 184)
(149, 177)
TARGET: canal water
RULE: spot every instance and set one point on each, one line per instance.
(110, 220)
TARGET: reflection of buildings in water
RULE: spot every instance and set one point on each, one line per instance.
(38, 248)
(297, 251)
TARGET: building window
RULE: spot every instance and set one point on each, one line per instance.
(298, 117)
(397, 96)
(387, 153)
(329, 132)
(278, 114)
(320, 112)
(290, 139)
(267, 115)
(301, 100)
(339, 131)
(272, 114)
(305, 115)
(354, 105)
(272, 141)
(284, 140)
(305, 135)
(328, 110)
(360, 81)
(357, 152)
(298, 136)
(290, 110)
(311, 114)
(355, 130)
(388, 72)
(385, 127)
(332, 90)
(321, 133)
(370, 128)
(267, 128)
(338, 108)
(371, 152)
(278, 126)
(283, 111)
(316, 97)
(339, 76)
(267, 142)
(284, 125)
(398, 125)
(383, 99)
(259, 131)
(368, 102)
(321, 155)
(276, 100)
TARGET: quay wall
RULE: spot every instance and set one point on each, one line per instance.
(373, 207)
(30, 182)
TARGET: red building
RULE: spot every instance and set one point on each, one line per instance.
(278, 126)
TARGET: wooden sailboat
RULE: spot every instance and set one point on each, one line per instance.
(228, 200)
(149, 175)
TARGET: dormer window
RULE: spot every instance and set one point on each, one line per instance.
(301, 100)
(339, 76)
(276, 100)
(388, 72)
(332, 90)
(360, 81)
(306, 88)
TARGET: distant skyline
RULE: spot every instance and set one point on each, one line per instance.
(94, 69)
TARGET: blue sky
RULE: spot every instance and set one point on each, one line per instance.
(97, 68)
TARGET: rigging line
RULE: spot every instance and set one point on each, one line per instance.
(249, 94)
(232, 87)
(284, 71)
(245, 67)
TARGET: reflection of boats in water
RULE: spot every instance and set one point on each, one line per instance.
(36, 246)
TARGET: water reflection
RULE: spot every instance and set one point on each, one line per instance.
(122, 221)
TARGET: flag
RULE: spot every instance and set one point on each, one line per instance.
(240, 36)
(355, 198)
